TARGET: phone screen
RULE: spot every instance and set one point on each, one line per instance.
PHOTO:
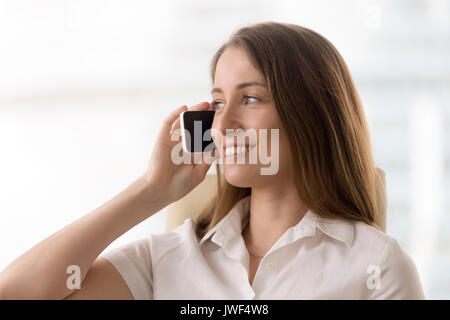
(196, 130)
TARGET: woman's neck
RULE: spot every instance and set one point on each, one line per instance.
(272, 211)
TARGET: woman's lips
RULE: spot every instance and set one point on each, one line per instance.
(233, 151)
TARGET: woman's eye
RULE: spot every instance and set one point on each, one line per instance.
(249, 97)
(216, 104)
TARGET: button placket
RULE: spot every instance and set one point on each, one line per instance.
(264, 273)
(269, 265)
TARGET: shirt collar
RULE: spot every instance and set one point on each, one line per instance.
(237, 218)
(232, 224)
(339, 229)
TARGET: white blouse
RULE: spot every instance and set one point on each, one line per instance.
(316, 259)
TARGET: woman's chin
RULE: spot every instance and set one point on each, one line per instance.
(241, 175)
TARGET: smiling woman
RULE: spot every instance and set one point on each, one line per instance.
(306, 232)
(297, 82)
(302, 86)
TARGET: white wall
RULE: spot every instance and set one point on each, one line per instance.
(84, 85)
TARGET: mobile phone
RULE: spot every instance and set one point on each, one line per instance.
(196, 130)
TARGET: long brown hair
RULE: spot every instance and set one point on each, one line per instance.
(321, 112)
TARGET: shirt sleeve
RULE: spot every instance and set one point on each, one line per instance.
(133, 262)
(398, 276)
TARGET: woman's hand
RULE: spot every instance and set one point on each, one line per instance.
(169, 180)
(40, 273)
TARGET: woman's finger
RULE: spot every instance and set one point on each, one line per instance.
(166, 127)
(175, 125)
(198, 107)
(201, 106)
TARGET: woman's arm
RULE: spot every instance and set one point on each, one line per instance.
(40, 273)
(104, 282)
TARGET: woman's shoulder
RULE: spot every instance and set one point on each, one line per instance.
(379, 245)
(397, 272)
(169, 241)
(371, 238)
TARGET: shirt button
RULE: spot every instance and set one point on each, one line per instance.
(269, 265)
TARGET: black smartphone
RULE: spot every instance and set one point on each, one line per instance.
(196, 130)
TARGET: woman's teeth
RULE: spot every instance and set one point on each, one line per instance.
(237, 150)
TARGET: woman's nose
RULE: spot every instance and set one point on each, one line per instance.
(226, 120)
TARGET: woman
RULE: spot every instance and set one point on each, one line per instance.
(305, 232)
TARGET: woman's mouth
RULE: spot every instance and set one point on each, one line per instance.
(232, 152)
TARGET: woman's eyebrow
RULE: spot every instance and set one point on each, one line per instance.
(240, 86)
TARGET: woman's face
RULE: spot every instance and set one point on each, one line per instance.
(242, 101)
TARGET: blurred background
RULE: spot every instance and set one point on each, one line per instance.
(85, 84)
